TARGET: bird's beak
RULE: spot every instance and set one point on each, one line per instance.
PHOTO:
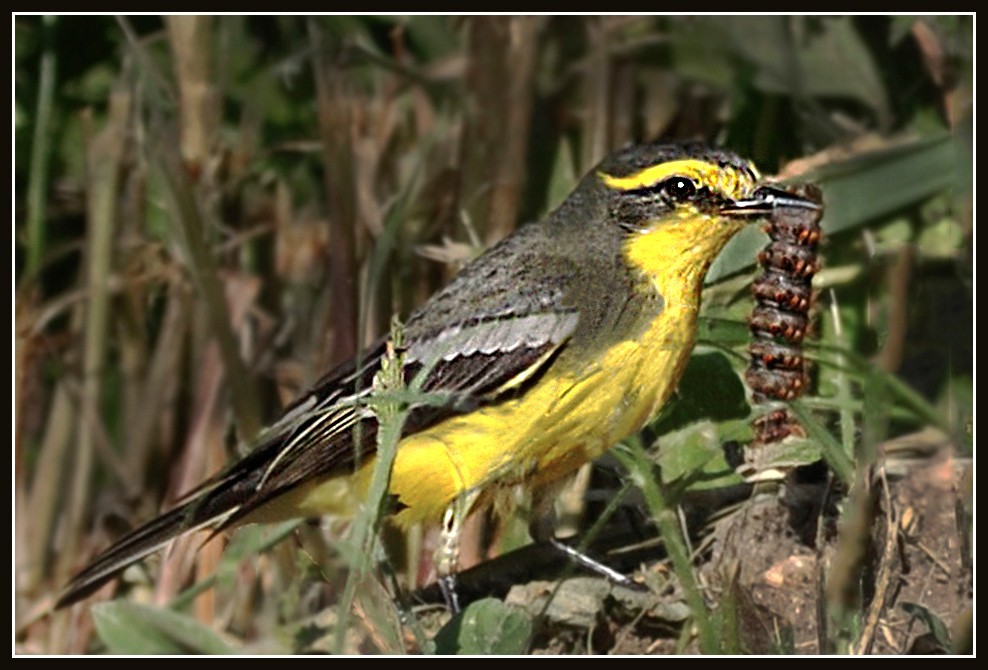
(767, 199)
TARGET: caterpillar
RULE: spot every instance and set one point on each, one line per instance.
(780, 320)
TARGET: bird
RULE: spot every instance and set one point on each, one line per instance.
(555, 344)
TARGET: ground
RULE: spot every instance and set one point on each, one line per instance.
(780, 573)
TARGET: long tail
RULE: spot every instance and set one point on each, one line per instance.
(217, 503)
(313, 439)
(309, 442)
(139, 543)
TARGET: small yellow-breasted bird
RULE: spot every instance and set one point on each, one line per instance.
(555, 344)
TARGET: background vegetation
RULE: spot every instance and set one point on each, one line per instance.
(211, 211)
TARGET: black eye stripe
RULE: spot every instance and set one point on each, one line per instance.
(672, 189)
(634, 208)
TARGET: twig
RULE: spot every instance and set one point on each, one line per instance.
(884, 578)
(933, 557)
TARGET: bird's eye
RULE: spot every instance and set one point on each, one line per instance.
(679, 189)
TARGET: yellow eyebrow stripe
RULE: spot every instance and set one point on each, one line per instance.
(726, 180)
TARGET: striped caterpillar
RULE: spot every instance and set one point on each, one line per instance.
(780, 320)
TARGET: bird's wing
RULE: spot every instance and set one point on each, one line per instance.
(470, 345)
(489, 333)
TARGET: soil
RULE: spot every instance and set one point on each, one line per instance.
(884, 572)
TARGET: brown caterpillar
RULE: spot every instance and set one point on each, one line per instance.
(780, 319)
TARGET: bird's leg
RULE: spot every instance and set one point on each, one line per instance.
(542, 528)
(448, 552)
(581, 559)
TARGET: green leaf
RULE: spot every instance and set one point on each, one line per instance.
(809, 58)
(740, 253)
(833, 452)
(860, 189)
(131, 628)
(723, 332)
(710, 409)
(943, 239)
(934, 623)
(788, 454)
(695, 454)
(881, 182)
(708, 389)
(894, 233)
(486, 627)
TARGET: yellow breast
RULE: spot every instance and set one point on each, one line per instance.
(568, 417)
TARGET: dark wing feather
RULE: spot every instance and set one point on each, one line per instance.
(470, 364)
(496, 326)
(490, 325)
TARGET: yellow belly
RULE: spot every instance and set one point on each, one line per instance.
(555, 427)
(570, 416)
(558, 425)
